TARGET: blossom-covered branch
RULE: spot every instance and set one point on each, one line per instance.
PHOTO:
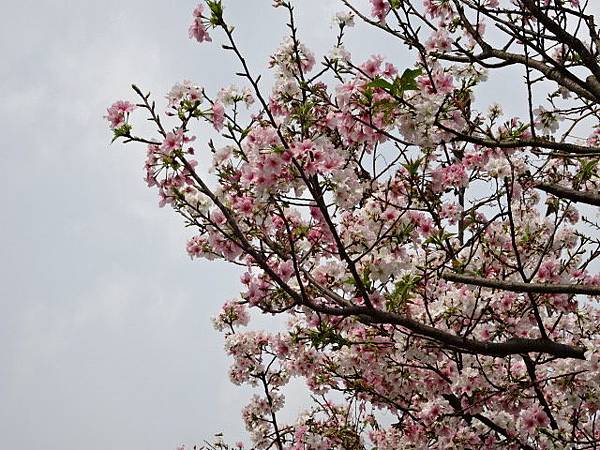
(426, 247)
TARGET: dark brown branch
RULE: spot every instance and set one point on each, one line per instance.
(538, 390)
(563, 36)
(570, 194)
(514, 346)
(563, 147)
(516, 286)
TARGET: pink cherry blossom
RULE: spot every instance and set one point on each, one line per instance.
(218, 115)
(117, 113)
(379, 9)
(197, 29)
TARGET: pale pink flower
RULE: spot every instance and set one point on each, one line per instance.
(116, 113)
(197, 29)
(218, 115)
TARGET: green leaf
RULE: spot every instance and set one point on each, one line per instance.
(402, 293)
(278, 149)
(350, 280)
(587, 170)
(327, 335)
(553, 205)
(122, 131)
(216, 9)
(412, 167)
(439, 238)
(408, 80)
(380, 83)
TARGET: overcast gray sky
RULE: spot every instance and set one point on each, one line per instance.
(105, 335)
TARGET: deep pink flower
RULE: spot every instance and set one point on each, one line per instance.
(172, 141)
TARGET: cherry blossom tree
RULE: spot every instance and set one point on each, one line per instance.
(435, 257)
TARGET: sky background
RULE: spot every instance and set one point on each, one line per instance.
(105, 334)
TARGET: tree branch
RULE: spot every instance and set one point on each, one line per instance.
(516, 286)
(570, 194)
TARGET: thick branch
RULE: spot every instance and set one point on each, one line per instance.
(516, 286)
(562, 76)
(564, 147)
(570, 194)
(514, 346)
